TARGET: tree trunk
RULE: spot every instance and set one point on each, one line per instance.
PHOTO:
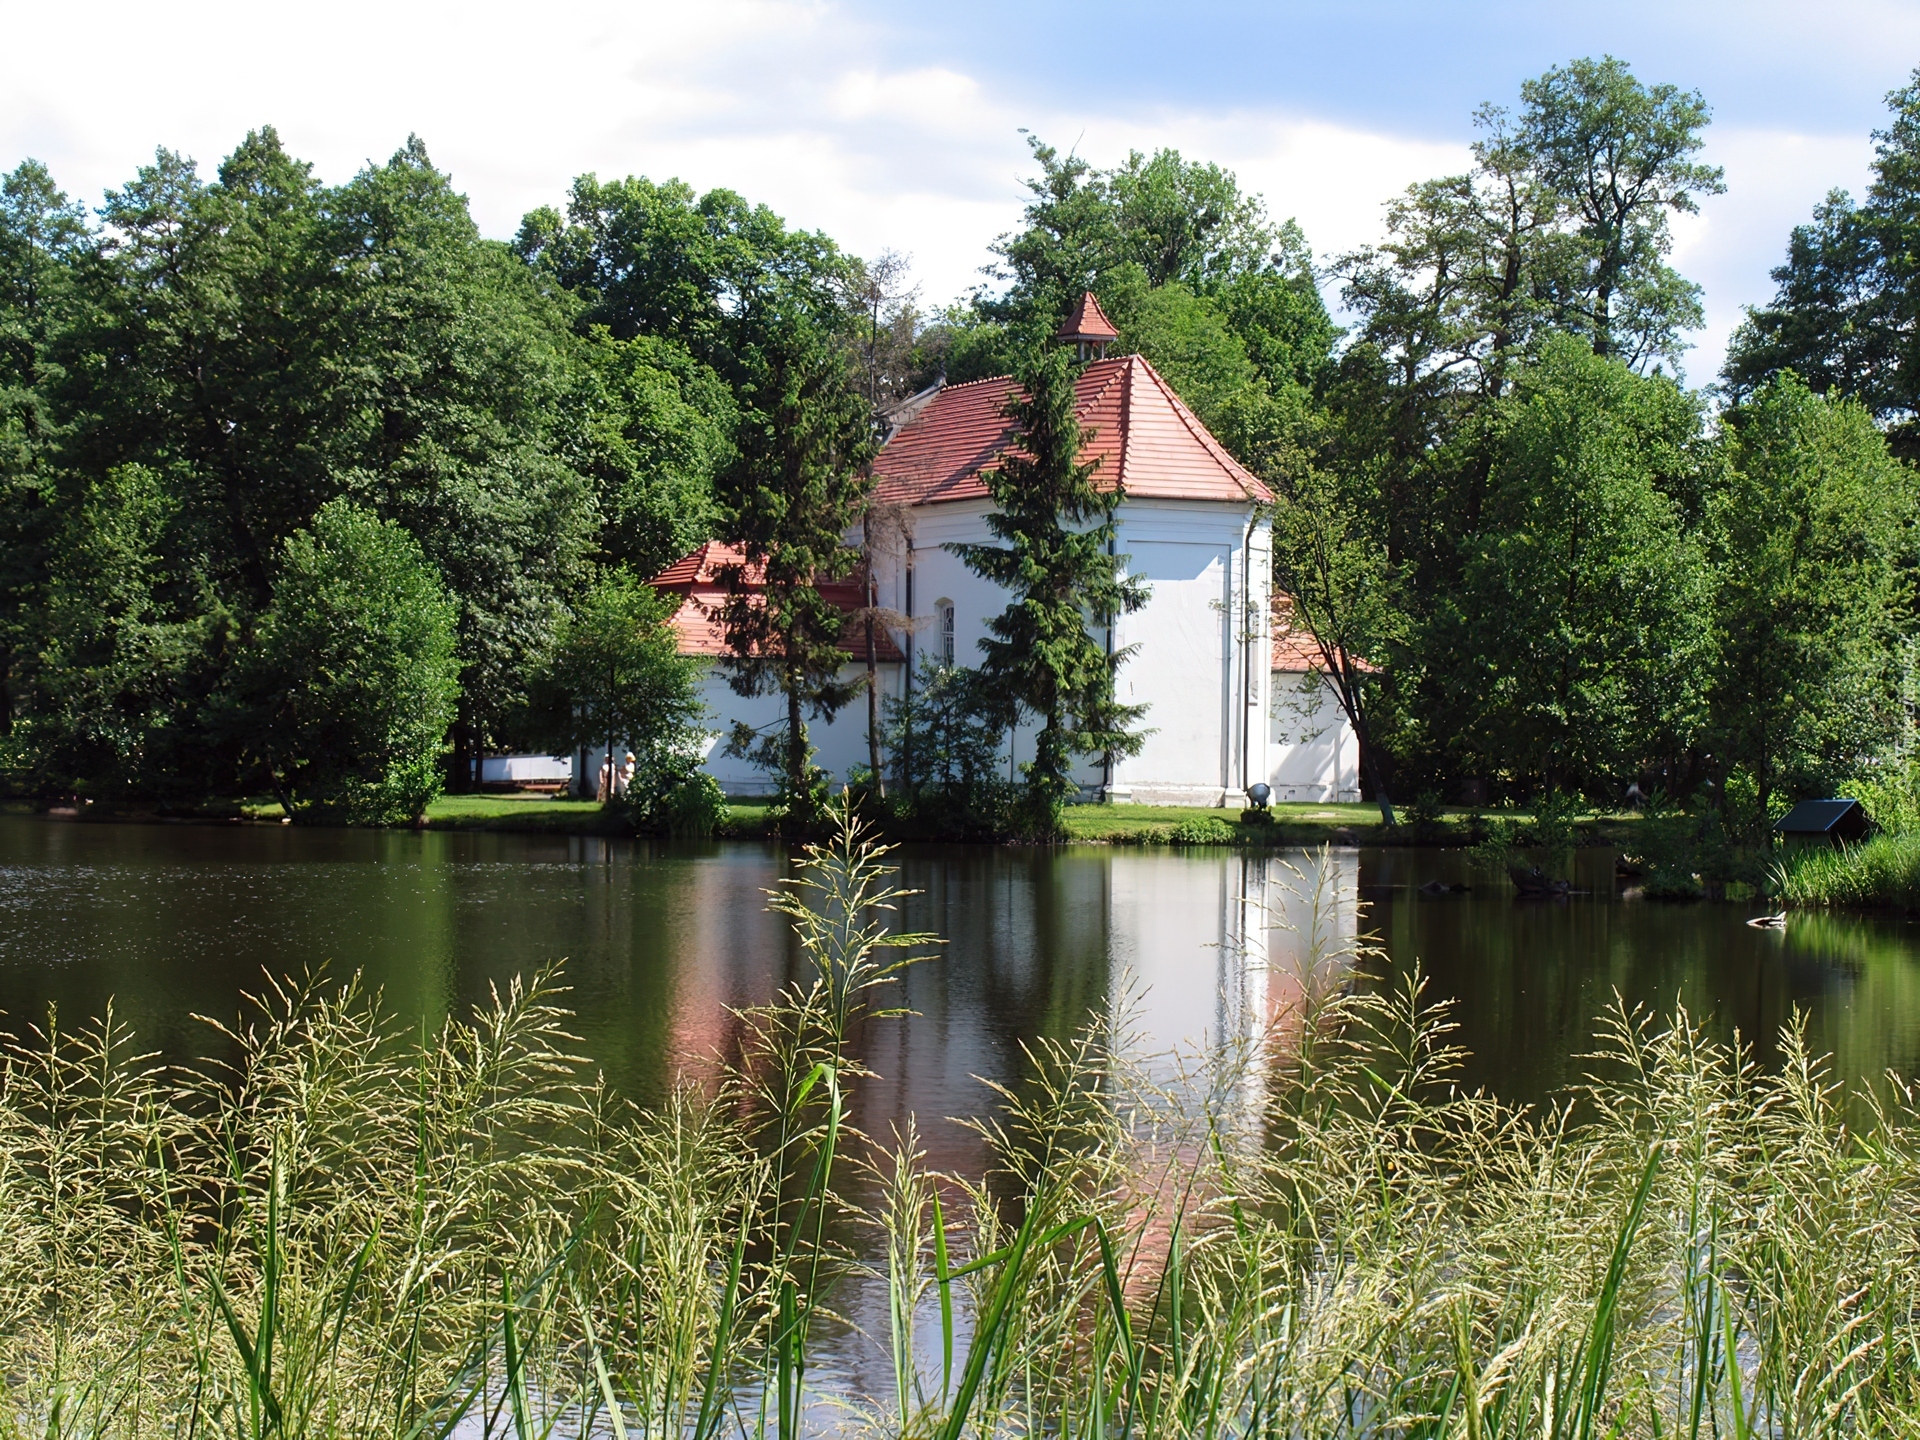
(873, 705)
(460, 761)
(796, 744)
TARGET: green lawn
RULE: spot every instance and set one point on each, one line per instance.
(1295, 824)
(515, 812)
(1145, 824)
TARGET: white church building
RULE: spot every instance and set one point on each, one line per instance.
(1232, 696)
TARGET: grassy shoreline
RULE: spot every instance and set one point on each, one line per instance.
(1293, 825)
(1881, 874)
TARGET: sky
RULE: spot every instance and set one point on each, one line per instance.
(904, 127)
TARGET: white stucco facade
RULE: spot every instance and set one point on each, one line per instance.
(1311, 750)
(840, 745)
(1198, 661)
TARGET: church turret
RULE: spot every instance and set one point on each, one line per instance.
(1088, 328)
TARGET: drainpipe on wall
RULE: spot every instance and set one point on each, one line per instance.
(1106, 763)
(1249, 641)
(906, 689)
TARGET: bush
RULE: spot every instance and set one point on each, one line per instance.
(350, 684)
(1891, 795)
(1208, 830)
(689, 805)
(1426, 816)
(948, 737)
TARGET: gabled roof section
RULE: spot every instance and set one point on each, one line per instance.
(1087, 321)
(696, 578)
(1823, 817)
(1142, 438)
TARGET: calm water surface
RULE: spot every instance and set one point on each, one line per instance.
(658, 942)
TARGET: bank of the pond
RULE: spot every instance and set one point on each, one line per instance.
(1881, 874)
(1291, 824)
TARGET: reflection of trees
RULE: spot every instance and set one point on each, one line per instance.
(1529, 979)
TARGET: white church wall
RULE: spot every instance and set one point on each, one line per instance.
(1193, 641)
(1201, 632)
(1311, 748)
(839, 745)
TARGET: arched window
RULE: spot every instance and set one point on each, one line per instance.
(944, 609)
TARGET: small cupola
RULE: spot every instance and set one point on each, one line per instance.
(1088, 328)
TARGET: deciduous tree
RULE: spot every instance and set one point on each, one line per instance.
(1813, 549)
(350, 683)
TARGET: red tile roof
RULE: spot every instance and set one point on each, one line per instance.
(1142, 438)
(1087, 321)
(1295, 650)
(696, 578)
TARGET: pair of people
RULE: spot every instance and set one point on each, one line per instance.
(614, 782)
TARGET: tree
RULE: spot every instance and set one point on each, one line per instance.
(650, 427)
(1813, 546)
(42, 236)
(113, 690)
(1581, 627)
(797, 483)
(458, 368)
(351, 680)
(264, 344)
(614, 676)
(1847, 312)
(1620, 153)
(1332, 575)
(1057, 528)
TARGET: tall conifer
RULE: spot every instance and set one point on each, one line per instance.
(797, 484)
(1057, 559)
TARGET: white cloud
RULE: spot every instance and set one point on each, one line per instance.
(1774, 179)
(791, 102)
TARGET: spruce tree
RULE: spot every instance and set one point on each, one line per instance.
(1057, 527)
(797, 483)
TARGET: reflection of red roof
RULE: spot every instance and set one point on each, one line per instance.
(1087, 321)
(1295, 650)
(1134, 429)
(696, 578)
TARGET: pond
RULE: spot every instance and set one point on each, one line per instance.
(659, 942)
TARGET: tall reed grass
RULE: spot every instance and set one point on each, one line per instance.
(361, 1229)
(1883, 872)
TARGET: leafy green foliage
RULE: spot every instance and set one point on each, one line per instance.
(614, 680)
(1583, 614)
(349, 685)
(655, 427)
(948, 735)
(1812, 536)
(1843, 316)
(126, 650)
